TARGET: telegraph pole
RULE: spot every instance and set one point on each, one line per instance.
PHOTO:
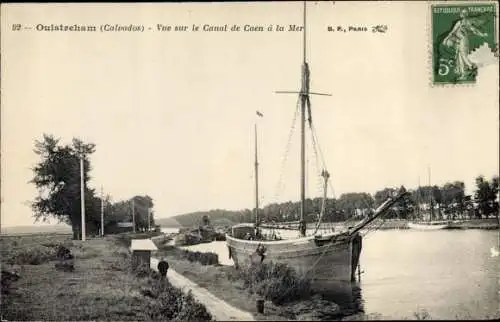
(133, 213)
(149, 219)
(256, 164)
(102, 212)
(418, 200)
(82, 196)
(431, 197)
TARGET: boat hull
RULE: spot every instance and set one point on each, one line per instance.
(427, 226)
(330, 264)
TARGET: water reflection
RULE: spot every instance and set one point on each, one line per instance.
(349, 298)
(451, 274)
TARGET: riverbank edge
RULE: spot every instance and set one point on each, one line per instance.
(220, 281)
(485, 224)
(219, 309)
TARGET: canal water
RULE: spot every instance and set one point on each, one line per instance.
(451, 274)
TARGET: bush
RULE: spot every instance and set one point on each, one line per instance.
(208, 258)
(276, 282)
(143, 270)
(121, 260)
(170, 303)
(34, 255)
(123, 253)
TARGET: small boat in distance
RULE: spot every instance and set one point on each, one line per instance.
(430, 224)
(329, 259)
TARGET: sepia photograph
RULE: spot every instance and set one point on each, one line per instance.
(252, 160)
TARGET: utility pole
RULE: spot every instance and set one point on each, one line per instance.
(82, 196)
(149, 219)
(418, 200)
(256, 164)
(431, 197)
(498, 212)
(133, 213)
(102, 212)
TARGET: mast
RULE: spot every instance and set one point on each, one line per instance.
(304, 104)
(304, 98)
(256, 180)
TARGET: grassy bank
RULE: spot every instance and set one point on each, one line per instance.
(101, 287)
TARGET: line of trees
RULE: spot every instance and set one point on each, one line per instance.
(57, 179)
(427, 202)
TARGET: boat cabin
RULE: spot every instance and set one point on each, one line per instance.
(243, 231)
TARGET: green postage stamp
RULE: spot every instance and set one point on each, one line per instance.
(463, 39)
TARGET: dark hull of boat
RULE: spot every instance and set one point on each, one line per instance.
(329, 263)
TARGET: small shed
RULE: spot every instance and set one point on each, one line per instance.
(141, 252)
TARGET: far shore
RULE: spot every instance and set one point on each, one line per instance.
(386, 224)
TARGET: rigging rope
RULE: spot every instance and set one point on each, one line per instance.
(319, 152)
(287, 149)
(317, 146)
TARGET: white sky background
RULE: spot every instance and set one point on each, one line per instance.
(172, 113)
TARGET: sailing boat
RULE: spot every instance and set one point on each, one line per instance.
(430, 224)
(326, 259)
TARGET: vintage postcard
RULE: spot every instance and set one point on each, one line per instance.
(300, 160)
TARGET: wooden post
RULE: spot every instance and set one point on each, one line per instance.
(149, 219)
(102, 212)
(82, 196)
(133, 214)
(256, 180)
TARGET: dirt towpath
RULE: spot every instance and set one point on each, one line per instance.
(220, 309)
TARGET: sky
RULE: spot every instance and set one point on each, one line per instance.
(172, 114)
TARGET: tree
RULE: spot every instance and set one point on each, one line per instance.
(486, 196)
(121, 211)
(382, 195)
(453, 197)
(353, 202)
(143, 204)
(405, 206)
(437, 199)
(57, 179)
